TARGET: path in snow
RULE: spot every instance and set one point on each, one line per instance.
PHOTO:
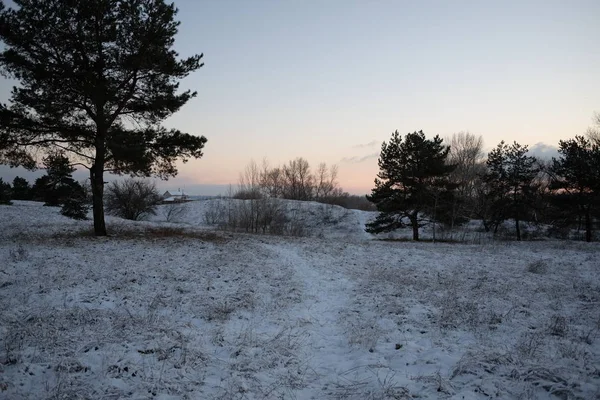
(340, 342)
(324, 301)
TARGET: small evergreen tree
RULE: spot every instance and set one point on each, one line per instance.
(5, 192)
(60, 185)
(576, 178)
(75, 208)
(412, 178)
(21, 189)
(509, 179)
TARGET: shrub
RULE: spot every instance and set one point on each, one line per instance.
(174, 211)
(350, 201)
(265, 216)
(133, 199)
(75, 208)
(248, 194)
(558, 231)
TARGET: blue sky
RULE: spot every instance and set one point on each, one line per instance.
(329, 80)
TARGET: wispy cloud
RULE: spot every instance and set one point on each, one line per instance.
(359, 159)
(371, 144)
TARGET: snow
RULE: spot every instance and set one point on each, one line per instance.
(179, 310)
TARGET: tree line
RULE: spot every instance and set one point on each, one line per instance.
(56, 188)
(296, 180)
(424, 181)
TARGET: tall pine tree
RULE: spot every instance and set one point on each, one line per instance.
(412, 178)
(576, 178)
(96, 79)
(510, 182)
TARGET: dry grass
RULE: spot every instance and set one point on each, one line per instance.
(130, 231)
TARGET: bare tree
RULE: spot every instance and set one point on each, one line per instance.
(299, 182)
(249, 182)
(466, 150)
(593, 133)
(272, 182)
(466, 153)
(325, 181)
(174, 211)
(292, 181)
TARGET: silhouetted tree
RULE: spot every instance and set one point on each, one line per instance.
(576, 178)
(39, 188)
(95, 79)
(509, 179)
(21, 189)
(412, 176)
(75, 208)
(60, 185)
(5, 192)
(298, 181)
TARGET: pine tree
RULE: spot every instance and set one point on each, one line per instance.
(412, 178)
(75, 208)
(21, 189)
(576, 178)
(510, 183)
(95, 79)
(39, 188)
(60, 185)
(5, 193)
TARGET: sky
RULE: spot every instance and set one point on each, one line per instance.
(330, 80)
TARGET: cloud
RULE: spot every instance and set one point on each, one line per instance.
(359, 159)
(371, 144)
(543, 151)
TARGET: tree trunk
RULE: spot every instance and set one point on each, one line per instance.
(485, 226)
(414, 221)
(97, 181)
(588, 224)
(97, 175)
(517, 206)
(434, 217)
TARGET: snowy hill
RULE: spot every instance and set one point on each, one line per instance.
(317, 219)
(162, 311)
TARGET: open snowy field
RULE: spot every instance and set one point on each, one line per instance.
(181, 311)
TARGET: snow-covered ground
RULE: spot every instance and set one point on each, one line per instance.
(181, 311)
